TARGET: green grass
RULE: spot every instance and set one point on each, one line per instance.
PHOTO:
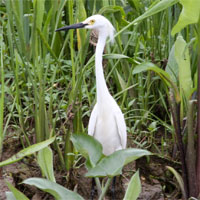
(52, 79)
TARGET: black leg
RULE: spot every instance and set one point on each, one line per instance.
(113, 188)
(92, 189)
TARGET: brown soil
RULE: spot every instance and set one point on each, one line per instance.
(155, 185)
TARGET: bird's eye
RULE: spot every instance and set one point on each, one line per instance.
(92, 21)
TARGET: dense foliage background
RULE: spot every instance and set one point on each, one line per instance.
(48, 81)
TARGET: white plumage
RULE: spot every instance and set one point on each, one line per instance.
(106, 122)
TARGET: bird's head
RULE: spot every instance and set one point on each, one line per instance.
(97, 22)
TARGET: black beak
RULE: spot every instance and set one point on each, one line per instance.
(74, 26)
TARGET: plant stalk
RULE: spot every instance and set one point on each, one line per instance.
(97, 181)
(198, 128)
(104, 190)
(175, 109)
(1, 99)
(191, 153)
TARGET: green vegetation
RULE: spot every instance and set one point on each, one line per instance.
(47, 82)
(98, 166)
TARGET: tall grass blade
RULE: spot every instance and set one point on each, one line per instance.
(2, 92)
(160, 6)
(15, 193)
(27, 151)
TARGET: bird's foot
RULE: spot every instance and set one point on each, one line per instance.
(113, 188)
(92, 189)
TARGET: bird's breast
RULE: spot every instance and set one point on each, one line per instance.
(106, 132)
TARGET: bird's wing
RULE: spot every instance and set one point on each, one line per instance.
(121, 125)
(92, 121)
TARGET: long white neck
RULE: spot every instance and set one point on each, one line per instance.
(102, 90)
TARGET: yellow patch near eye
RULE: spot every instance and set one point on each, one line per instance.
(92, 22)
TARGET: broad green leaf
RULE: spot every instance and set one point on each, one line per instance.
(150, 66)
(112, 165)
(10, 196)
(178, 178)
(189, 14)
(27, 151)
(15, 193)
(134, 188)
(114, 56)
(172, 66)
(45, 161)
(89, 147)
(183, 59)
(118, 56)
(163, 75)
(58, 191)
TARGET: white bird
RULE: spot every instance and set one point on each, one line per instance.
(106, 123)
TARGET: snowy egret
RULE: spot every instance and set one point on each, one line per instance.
(106, 123)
